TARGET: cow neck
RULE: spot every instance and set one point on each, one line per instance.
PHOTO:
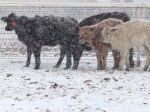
(95, 39)
(94, 43)
(17, 28)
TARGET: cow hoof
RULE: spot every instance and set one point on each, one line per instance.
(55, 66)
(103, 68)
(115, 67)
(145, 69)
(132, 66)
(74, 68)
(98, 68)
(36, 68)
(126, 69)
(26, 66)
(120, 69)
(66, 68)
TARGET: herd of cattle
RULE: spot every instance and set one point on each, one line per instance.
(100, 32)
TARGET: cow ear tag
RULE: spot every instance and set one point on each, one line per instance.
(14, 23)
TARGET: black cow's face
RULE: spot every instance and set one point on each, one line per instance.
(11, 22)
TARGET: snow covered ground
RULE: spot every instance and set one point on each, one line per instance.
(84, 90)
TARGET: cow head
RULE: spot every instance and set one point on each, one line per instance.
(11, 21)
(87, 33)
(107, 34)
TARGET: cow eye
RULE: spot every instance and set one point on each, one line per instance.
(107, 33)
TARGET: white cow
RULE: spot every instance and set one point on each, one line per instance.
(130, 34)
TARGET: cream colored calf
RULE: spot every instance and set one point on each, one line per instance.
(126, 36)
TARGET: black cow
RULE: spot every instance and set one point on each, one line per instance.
(98, 18)
(37, 31)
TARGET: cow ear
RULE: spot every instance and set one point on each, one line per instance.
(92, 29)
(24, 20)
(78, 28)
(4, 19)
(114, 29)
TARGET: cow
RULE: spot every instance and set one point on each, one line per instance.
(98, 18)
(131, 34)
(39, 31)
(92, 35)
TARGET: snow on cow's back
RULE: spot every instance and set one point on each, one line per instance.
(129, 34)
(99, 17)
(135, 26)
(66, 22)
(111, 22)
(55, 21)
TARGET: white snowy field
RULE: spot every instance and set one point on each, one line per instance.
(84, 90)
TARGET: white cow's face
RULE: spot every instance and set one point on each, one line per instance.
(107, 34)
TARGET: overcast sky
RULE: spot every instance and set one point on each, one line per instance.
(135, 1)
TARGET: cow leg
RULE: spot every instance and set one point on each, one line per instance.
(147, 51)
(131, 58)
(121, 63)
(62, 55)
(99, 61)
(138, 56)
(76, 57)
(116, 56)
(127, 61)
(37, 52)
(104, 58)
(29, 53)
(68, 55)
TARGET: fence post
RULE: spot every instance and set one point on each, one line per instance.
(138, 48)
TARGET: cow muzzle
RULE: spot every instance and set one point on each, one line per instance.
(7, 28)
(102, 39)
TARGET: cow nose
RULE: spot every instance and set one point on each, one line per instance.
(101, 39)
(7, 28)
